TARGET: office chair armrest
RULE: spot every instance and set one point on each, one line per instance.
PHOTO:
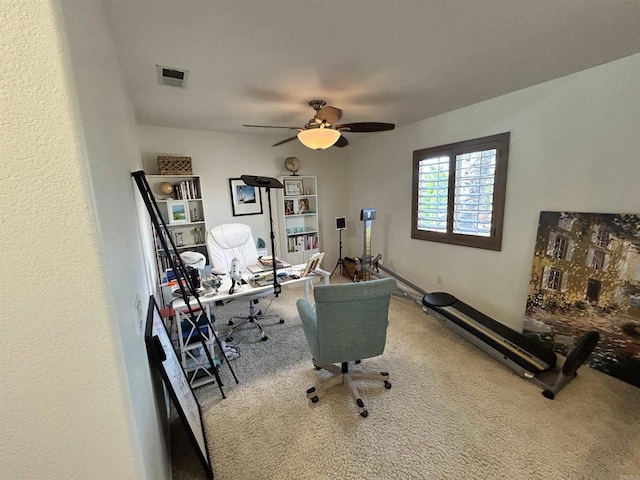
(309, 324)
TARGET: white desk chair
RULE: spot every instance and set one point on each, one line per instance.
(235, 240)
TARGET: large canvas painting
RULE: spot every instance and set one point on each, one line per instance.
(586, 276)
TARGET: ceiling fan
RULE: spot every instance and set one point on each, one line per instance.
(323, 131)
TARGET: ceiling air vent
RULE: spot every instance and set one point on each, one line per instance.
(173, 77)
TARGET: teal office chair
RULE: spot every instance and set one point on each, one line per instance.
(349, 323)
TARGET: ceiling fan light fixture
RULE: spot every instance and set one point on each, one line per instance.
(318, 138)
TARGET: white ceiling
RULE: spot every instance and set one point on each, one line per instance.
(260, 62)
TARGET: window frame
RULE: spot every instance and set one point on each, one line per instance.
(500, 143)
(560, 247)
(554, 282)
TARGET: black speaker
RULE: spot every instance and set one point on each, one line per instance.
(341, 223)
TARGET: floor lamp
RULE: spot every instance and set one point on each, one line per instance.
(267, 183)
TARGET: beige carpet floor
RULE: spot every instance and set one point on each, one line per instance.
(453, 413)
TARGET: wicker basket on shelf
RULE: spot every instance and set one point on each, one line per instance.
(174, 165)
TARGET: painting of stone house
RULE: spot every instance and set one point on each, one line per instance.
(586, 276)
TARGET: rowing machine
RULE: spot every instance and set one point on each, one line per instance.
(526, 357)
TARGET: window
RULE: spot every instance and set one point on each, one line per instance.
(555, 279)
(601, 237)
(566, 221)
(459, 191)
(597, 260)
(560, 247)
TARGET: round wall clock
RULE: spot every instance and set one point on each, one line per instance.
(292, 164)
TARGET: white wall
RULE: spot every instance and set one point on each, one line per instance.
(574, 147)
(77, 396)
(216, 157)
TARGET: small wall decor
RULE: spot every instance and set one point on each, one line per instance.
(166, 188)
(174, 165)
(586, 276)
(179, 239)
(303, 205)
(245, 199)
(288, 207)
(198, 235)
(178, 212)
(293, 187)
(292, 164)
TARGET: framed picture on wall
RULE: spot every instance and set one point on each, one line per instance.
(178, 212)
(245, 199)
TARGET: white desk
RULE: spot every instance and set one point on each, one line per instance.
(193, 359)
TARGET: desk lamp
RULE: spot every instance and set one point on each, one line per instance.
(196, 261)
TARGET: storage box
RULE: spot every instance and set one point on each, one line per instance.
(174, 165)
(350, 271)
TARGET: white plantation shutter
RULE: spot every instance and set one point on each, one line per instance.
(473, 196)
(458, 192)
(433, 194)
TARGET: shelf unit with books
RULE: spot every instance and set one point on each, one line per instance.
(182, 209)
(298, 213)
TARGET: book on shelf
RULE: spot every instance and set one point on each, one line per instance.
(186, 190)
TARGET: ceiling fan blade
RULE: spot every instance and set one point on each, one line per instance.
(284, 141)
(341, 142)
(363, 127)
(271, 126)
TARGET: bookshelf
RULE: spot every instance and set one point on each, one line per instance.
(183, 212)
(298, 212)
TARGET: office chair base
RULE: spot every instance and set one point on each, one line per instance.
(254, 319)
(342, 375)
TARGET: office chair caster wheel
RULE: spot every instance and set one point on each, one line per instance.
(282, 320)
(230, 323)
(228, 339)
(387, 384)
(265, 338)
(364, 414)
(314, 399)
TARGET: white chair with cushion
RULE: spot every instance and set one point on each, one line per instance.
(235, 240)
